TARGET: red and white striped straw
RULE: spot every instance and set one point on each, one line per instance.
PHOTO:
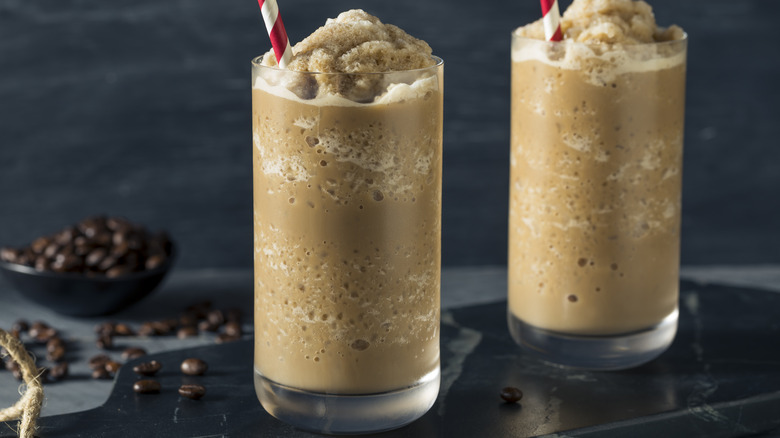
(551, 19)
(275, 27)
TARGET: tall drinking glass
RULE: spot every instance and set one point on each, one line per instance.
(347, 238)
(594, 221)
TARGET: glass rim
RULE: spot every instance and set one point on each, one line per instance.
(639, 46)
(257, 59)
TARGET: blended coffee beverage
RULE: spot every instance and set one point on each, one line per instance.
(347, 227)
(596, 167)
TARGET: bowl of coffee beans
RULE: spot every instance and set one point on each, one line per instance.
(95, 267)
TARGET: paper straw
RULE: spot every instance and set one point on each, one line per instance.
(551, 19)
(275, 27)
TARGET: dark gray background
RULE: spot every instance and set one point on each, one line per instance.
(142, 108)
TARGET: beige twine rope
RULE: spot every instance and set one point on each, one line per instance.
(29, 406)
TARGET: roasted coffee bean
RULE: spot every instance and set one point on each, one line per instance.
(37, 328)
(216, 317)
(51, 250)
(112, 366)
(224, 337)
(510, 394)
(100, 373)
(146, 386)
(21, 325)
(147, 329)
(14, 368)
(44, 335)
(42, 264)
(194, 366)
(147, 368)
(122, 329)
(105, 342)
(107, 263)
(131, 353)
(187, 332)
(233, 329)
(98, 361)
(120, 250)
(58, 371)
(54, 343)
(55, 354)
(162, 327)
(154, 261)
(106, 328)
(207, 326)
(118, 271)
(95, 257)
(92, 225)
(40, 244)
(192, 391)
(10, 255)
(66, 236)
(102, 239)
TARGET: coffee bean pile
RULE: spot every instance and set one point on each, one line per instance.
(36, 335)
(96, 246)
(191, 367)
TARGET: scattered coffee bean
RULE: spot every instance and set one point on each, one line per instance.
(56, 354)
(21, 326)
(194, 366)
(131, 353)
(510, 394)
(233, 329)
(216, 317)
(192, 391)
(122, 329)
(162, 327)
(146, 329)
(100, 373)
(98, 362)
(58, 371)
(224, 337)
(105, 342)
(54, 343)
(187, 332)
(105, 328)
(38, 328)
(14, 368)
(44, 335)
(112, 367)
(147, 368)
(146, 386)
(207, 326)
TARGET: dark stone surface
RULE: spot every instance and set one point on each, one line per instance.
(142, 108)
(719, 378)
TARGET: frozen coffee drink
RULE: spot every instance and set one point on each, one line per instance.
(596, 167)
(347, 227)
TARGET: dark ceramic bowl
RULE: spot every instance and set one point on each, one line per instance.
(79, 295)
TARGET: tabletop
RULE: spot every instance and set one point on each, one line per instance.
(466, 289)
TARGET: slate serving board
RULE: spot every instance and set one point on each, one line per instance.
(721, 377)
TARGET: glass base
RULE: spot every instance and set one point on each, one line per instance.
(347, 414)
(595, 352)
